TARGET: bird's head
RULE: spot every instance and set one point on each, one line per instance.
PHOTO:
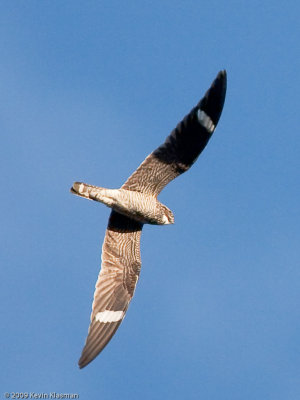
(168, 217)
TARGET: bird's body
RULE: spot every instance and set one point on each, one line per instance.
(135, 204)
(141, 207)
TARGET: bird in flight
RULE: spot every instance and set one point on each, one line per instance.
(135, 204)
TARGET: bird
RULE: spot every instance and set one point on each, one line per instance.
(136, 204)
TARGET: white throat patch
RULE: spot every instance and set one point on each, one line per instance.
(165, 219)
(109, 316)
(205, 120)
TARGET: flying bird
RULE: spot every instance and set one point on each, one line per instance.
(135, 204)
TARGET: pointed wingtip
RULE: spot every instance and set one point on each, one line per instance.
(222, 76)
(213, 101)
(84, 361)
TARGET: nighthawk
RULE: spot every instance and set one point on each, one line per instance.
(135, 204)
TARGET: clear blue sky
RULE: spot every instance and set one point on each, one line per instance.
(88, 89)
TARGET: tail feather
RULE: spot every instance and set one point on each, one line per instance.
(83, 190)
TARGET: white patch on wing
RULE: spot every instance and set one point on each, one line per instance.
(109, 316)
(205, 120)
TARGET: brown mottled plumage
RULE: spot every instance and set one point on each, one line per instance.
(135, 204)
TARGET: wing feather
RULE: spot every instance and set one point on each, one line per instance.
(116, 283)
(183, 146)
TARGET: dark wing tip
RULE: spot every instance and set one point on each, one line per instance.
(83, 362)
(213, 101)
(99, 336)
(87, 356)
(222, 73)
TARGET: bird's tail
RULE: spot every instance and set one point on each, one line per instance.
(105, 196)
(84, 190)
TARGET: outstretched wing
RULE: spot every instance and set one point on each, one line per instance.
(183, 146)
(116, 283)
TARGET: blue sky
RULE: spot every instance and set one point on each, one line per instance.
(88, 89)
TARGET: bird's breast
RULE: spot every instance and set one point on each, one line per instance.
(139, 206)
